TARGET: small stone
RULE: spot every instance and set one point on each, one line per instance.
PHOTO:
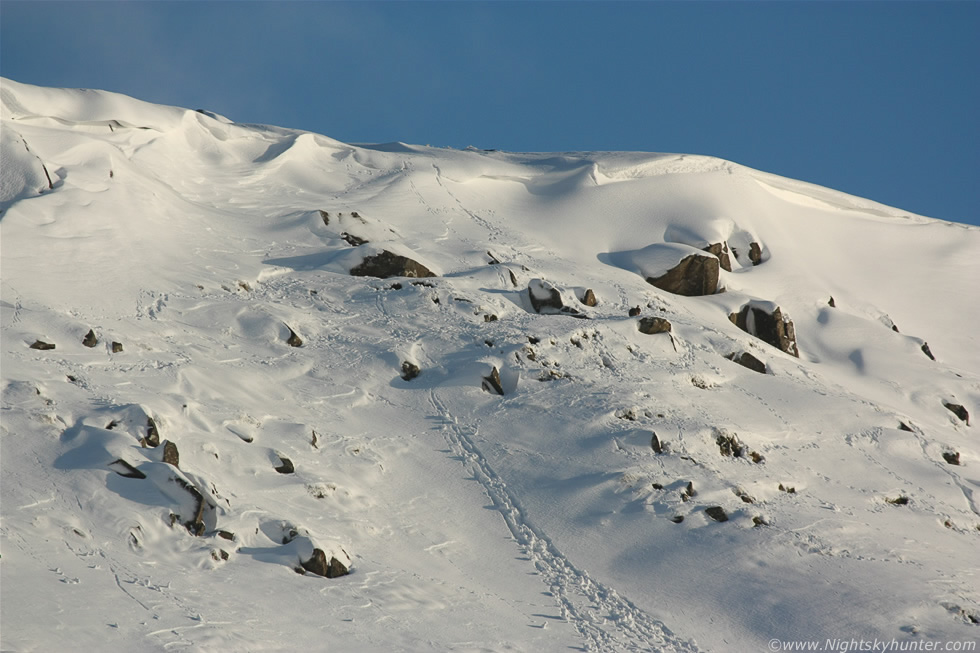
(717, 513)
(317, 564)
(689, 490)
(899, 501)
(633, 312)
(832, 303)
(755, 253)
(41, 345)
(286, 467)
(589, 299)
(952, 457)
(492, 383)
(747, 360)
(927, 351)
(905, 427)
(325, 216)
(116, 347)
(677, 519)
(759, 521)
(653, 325)
(293, 340)
(656, 444)
(90, 340)
(152, 438)
(228, 535)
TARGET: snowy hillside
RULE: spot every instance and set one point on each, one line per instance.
(237, 358)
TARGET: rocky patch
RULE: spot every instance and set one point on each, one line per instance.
(387, 264)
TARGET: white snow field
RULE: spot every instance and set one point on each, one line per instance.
(542, 519)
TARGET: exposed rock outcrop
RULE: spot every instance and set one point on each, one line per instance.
(769, 325)
(720, 250)
(410, 370)
(717, 513)
(116, 347)
(959, 411)
(317, 564)
(492, 384)
(589, 298)
(170, 454)
(696, 275)
(41, 345)
(90, 340)
(386, 265)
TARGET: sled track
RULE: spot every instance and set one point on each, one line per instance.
(605, 620)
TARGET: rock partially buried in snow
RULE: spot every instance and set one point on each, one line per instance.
(745, 359)
(589, 298)
(42, 346)
(959, 410)
(653, 325)
(317, 564)
(766, 321)
(387, 264)
(694, 276)
(293, 340)
(543, 295)
(410, 370)
(90, 340)
(492, 384)
(720, 250)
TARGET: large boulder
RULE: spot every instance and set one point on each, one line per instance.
(387, 264)
(693, 276)
(767, 322)
(546, 299)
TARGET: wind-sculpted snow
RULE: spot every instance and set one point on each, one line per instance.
(248, 401)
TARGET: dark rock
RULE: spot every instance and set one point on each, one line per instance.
(755, 253)
(759, 521)
(677, 519)
(757, 457)
(689, 491)
(396, 286)
(111, 425)
(543, 295)
(952, 457)
(492, 384)
(720, 250)
(493, 259)
(653, 325)
(317, 564)
(116, 347)
(513, 278)
(125, 469)
(325, 217)
(227, 535)
(694, 276)
(354, 241)
(43, 346)
(152, 438)
(386, 265)
(787, 489)
(717, 513)
(832, 303)
(489, 318)
(293, 340)
(656, 444)
(170, 454)
(634, 311)
(195, 525)
(410, 370)
(905, 427)
(589, 298)
(657, 486)
(286, 467)
(899, 501)
(729, 445)
(745, 359)
(219, 554)
(773, 328)
(959, 411)
(90, 340)
(926, 351)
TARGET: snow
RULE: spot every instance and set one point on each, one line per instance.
(537, 520)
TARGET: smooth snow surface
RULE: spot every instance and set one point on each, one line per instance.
(540, 520)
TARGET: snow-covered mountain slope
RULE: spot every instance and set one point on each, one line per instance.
(546, 518)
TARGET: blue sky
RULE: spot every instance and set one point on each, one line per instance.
(878, 99)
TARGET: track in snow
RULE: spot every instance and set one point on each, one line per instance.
(605, 620)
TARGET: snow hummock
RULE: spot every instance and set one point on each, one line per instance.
(541, 519)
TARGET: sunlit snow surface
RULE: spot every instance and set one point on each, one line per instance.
(540, 520)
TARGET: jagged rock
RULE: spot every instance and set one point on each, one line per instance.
(125, 469)
(317, 564)
(170, 454)
(633, 312)
(386, 265)
(410, 370)
(656, 444)
(543, 295)
(286, 467)
(745, 359)
(354, 241)
(43, 346)
(116, 347)
(492, 384)
(325, 216)
(717, 513)
(729, 445)
(677, 519)
(589, 298)
(720, 250)
(493, 259)
(293, 340)
(653, 325)
(90, 340)
(152, 438)
(771, 327)
(689, 491)
(694, 276)
(832, 303)
(952, 457)
(905, 427)
(755, 253)
(927, 351)
(959, 411)
(513, 277)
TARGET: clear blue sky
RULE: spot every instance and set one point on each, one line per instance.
(879, 99)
